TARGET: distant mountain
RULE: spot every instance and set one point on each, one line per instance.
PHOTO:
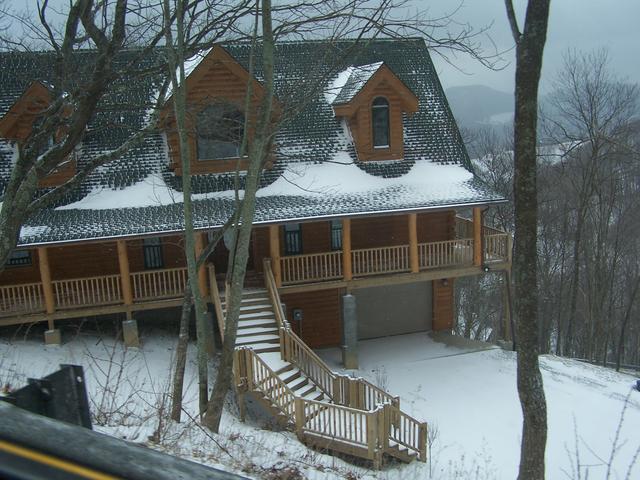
(477, 105)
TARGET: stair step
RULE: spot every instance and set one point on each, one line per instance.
(251, 339)
(256, 322)
(262, 314)
(268, 330)
(265, 347)
(298, 382)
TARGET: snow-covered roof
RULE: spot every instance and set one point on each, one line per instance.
(349, 82)
(316, 171)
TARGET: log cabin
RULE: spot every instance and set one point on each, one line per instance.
(359, 218)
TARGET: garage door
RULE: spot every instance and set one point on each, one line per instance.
(393, 310)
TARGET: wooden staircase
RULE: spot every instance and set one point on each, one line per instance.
(326, 410)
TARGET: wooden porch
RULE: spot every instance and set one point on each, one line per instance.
(475, 249)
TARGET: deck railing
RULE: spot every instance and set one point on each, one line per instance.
(449, 253)
(312, 267)
(374, 261)
(24, 298)
(158, 284)
(250, 368)
(85, 292)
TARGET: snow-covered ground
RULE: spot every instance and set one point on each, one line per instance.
(466, 393)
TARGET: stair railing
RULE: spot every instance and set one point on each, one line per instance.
(253, 373)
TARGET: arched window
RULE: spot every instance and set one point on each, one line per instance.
(219, 131)
(380, 122)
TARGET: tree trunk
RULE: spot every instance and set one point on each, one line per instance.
(529, 50)
(176, 63)
(257, 154)
(181, 355)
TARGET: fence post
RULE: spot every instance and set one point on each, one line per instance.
(372, 438)
(353, 393)
(299, 414)
(337, 391)
(384, 425)
(248, 365)
(422, 441)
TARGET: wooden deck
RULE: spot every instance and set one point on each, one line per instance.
(352, 268)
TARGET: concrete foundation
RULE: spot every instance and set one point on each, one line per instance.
(130, 333)
(349, 332)
(52, 337)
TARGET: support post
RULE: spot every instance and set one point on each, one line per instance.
(47, 289)
(202, 271)
(347, 271)
(125, 274)
(413, 243)
(129, 326)
(274, 252)
(477, 236)
(130, 333)
(349, 332)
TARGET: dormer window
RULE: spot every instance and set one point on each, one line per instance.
(219, 129)
(380, 122)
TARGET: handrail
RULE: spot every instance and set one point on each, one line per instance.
(311, 267)
(338, 424)
(406, 431)
(445, 253)
(272, 289)
(217, 303)
(262, 378)
(76, 292)
(373, 261)
(164, 283)
(21, 298)
(357, 393)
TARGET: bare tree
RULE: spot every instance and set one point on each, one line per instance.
(530, 44)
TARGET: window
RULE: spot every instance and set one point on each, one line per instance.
(152, 250)
(336, 234)
(19, 258)
(219, 132)
(380, 122)
(292, 239)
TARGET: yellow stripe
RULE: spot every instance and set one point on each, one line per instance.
(54, 462)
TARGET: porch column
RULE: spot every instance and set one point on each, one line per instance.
(202, 271)
(477, 236)
(51, 336)
(347, 271)
(274, 253)
(413, 243)
(129, 326)
(349, 332)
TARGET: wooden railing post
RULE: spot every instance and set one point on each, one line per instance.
(477, 237)
(422, 442)
(125, 274)
(414, 260)
(202, 272)
(372, 437)
(274, 252)
(299, 415)
(347, 267)
(47, 286)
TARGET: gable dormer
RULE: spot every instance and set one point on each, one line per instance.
(216, 88)
(372, 100)
(16, 125)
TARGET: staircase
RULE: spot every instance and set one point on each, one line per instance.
(258, 330)
(326, 410)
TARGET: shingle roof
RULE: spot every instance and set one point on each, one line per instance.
(358, 76)
(314, 135)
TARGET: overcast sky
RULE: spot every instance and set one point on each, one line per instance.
(578, 24)
(584, 25)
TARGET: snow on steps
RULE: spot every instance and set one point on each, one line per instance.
(258, 330)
